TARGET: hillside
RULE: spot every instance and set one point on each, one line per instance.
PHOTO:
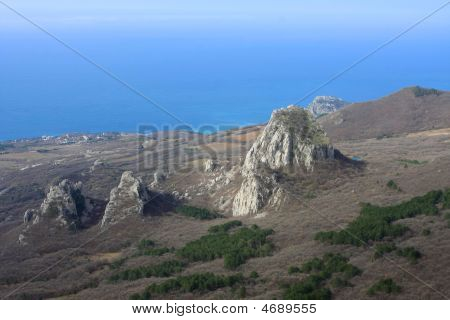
(408, 110)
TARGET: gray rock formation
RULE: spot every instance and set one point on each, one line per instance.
(209, 165)
(128, 199)
(65, 203)
(29, 215)
(291, 140)
(322, 105)
(158, 177)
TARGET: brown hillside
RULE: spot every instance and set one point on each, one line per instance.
(409, 110)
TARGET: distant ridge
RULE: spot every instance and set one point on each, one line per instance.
(409, 110)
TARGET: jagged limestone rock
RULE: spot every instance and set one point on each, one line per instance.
(291, 140)
(65, 203)
(209, 165)
(158, 177)
(125, 200)
(252, 196)
(322, 105)
(29, 215)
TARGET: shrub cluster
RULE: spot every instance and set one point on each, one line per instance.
(446, 199)
(147, 248)
(410, 253)
(386, 285)
(421, 92)
(320, 270)
(375, 223)
(393, 185)
(164, 269)
(199, 282)
(225, 227)
(197, 213)
(382, 248)
(236, 248)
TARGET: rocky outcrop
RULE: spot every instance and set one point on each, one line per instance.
(322, 105)
(127, 199)
(254, 193)
(65, 203)
(158, 178)
(209, 165)
(292, 140)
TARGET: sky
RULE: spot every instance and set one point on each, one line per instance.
(209, 62)
(206, 16)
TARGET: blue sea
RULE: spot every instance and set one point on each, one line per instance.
(220, 80)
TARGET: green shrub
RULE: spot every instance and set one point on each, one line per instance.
(393, 185)
(339, 282)
(225, 227)
(313, 286)
(199, 282)
(242, 292)
(116, 264)
(145, 244)
(446, 199)
(413, 162)
(410, 253)
(155, 251)
(164, 269)
(382, 248)
(386, 285)
(421, 92)
(198, 213)
(254, 275)
(310, 288)
(147, 248)
(426, 232)
(293, 269)
(375, 223)
(235, 248)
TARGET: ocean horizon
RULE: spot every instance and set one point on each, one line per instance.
(202, 80)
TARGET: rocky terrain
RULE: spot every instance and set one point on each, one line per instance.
(258, 211)
(323, 105)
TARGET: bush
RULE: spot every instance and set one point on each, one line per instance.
(386, 285)
(393, 185)
(446, 199)
(225, 227)
(199, 282)
(309, 288)
(313, 286)
(410, 253)
(116, 264)
(147, 248)
(164, 269)
(382, 248)
(375, 223)
(145, 244)
(421, 92)
(254, 275)
(293, 269)
(242, 292)
(198, 213)
(235, 248)
(413, 162)
(426, 232)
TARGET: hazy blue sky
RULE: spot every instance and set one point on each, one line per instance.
(171, 14)
(207, 62)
